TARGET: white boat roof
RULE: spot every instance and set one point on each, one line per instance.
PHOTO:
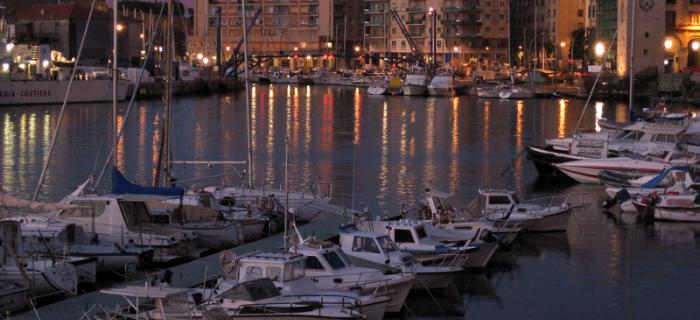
(125, 197)
(270, 256)
(145, 292)
(655, 128)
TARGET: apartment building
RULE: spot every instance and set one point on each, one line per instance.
(465, 31)
(682, 38)
(287, 32)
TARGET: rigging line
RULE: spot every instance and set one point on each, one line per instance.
(131, 101)
(45, 168)
(590, 95)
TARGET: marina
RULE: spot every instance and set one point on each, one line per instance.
(393, 148)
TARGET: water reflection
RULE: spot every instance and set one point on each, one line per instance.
(402, 145)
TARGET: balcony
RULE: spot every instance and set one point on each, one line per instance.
(415, 9)
(374, 10)
(415, 22)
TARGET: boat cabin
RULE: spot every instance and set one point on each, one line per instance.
(277, 266)
(323, 258)
(253, 290)
(498, 200)
(372, 249)
(649, 132)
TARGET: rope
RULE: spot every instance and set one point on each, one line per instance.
(590, 95)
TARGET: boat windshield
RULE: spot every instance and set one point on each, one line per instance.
(421, 232)
(334, 260)
(386, 244)
(135, 212)
(342, 256)
(629, 135)
(255, 290)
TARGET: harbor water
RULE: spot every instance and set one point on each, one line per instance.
(381, 153)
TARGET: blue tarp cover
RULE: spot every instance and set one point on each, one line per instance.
(120, 185)
(653, 183)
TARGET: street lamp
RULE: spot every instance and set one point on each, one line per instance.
(9, 46)
(599, 49)
(120, 27)
(668, 44)
(357, 48)
(695, 45)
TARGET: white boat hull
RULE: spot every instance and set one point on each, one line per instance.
(414, 90)
(44, 279)
(553, 222)
(441, 91)
(480, 258)
(376, 91)
(54, 91)
(677, 214)
(588, 173)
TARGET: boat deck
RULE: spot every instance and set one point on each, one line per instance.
(186, 275)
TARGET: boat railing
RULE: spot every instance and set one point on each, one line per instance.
(345, 302)
(454, 260)
(380, 286)
(558, 201)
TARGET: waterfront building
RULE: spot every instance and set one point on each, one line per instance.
(287, 33)
(467, 32)
(649, 29)
(682, 41)
(61, 27)
(601, 23)
(544, 30)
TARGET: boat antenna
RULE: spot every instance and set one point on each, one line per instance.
(163, 163)
(286, 193)
(45, 168)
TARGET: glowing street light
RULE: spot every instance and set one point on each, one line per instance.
(668, 44)
(120, 27)
(599, 49)
(141, 35)
(228, 48)
(357, 48)
(695, 45)
(205, 61)
(296, 48)
(45, 64)
(9, 46)
(200, 56)
(5, 67)
(455, 49)
(562, 44)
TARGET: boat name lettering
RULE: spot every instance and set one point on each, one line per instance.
(25, 93)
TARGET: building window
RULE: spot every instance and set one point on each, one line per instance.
(646, 35)
(694, 1)
(670, 18)
(645, 51)
(579, 13)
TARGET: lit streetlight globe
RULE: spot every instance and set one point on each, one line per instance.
(599, 49)
(668, 44)
(695, 45)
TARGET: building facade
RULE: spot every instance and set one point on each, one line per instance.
(466, 31)
(647, 30)
(682, 41)
(290, 33)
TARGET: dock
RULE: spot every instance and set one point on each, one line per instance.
(186, 275)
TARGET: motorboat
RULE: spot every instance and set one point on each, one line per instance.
(582, 147)
(250, 223)
(682, 208)
(376, 250)
(488, 91)
(261, 299)
(588, 171)
(212, 231)
(266, 200)
(287, 271)
(442, 84)
(329, 267)
(42, 235)
(377, 89)
(41, 274)
(553, 215)
(631, 195)
(126, 219)
(415, 83)
(411, 236)
(439, 211)
(513, 91)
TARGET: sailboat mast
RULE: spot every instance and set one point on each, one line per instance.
(115, 79)
(286, 193)
(247, 98)
(168, 94)
(631, 62)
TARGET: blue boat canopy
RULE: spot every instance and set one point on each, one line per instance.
(120, 185)
(656, 181)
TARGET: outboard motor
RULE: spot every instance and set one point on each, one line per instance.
(621, 196)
